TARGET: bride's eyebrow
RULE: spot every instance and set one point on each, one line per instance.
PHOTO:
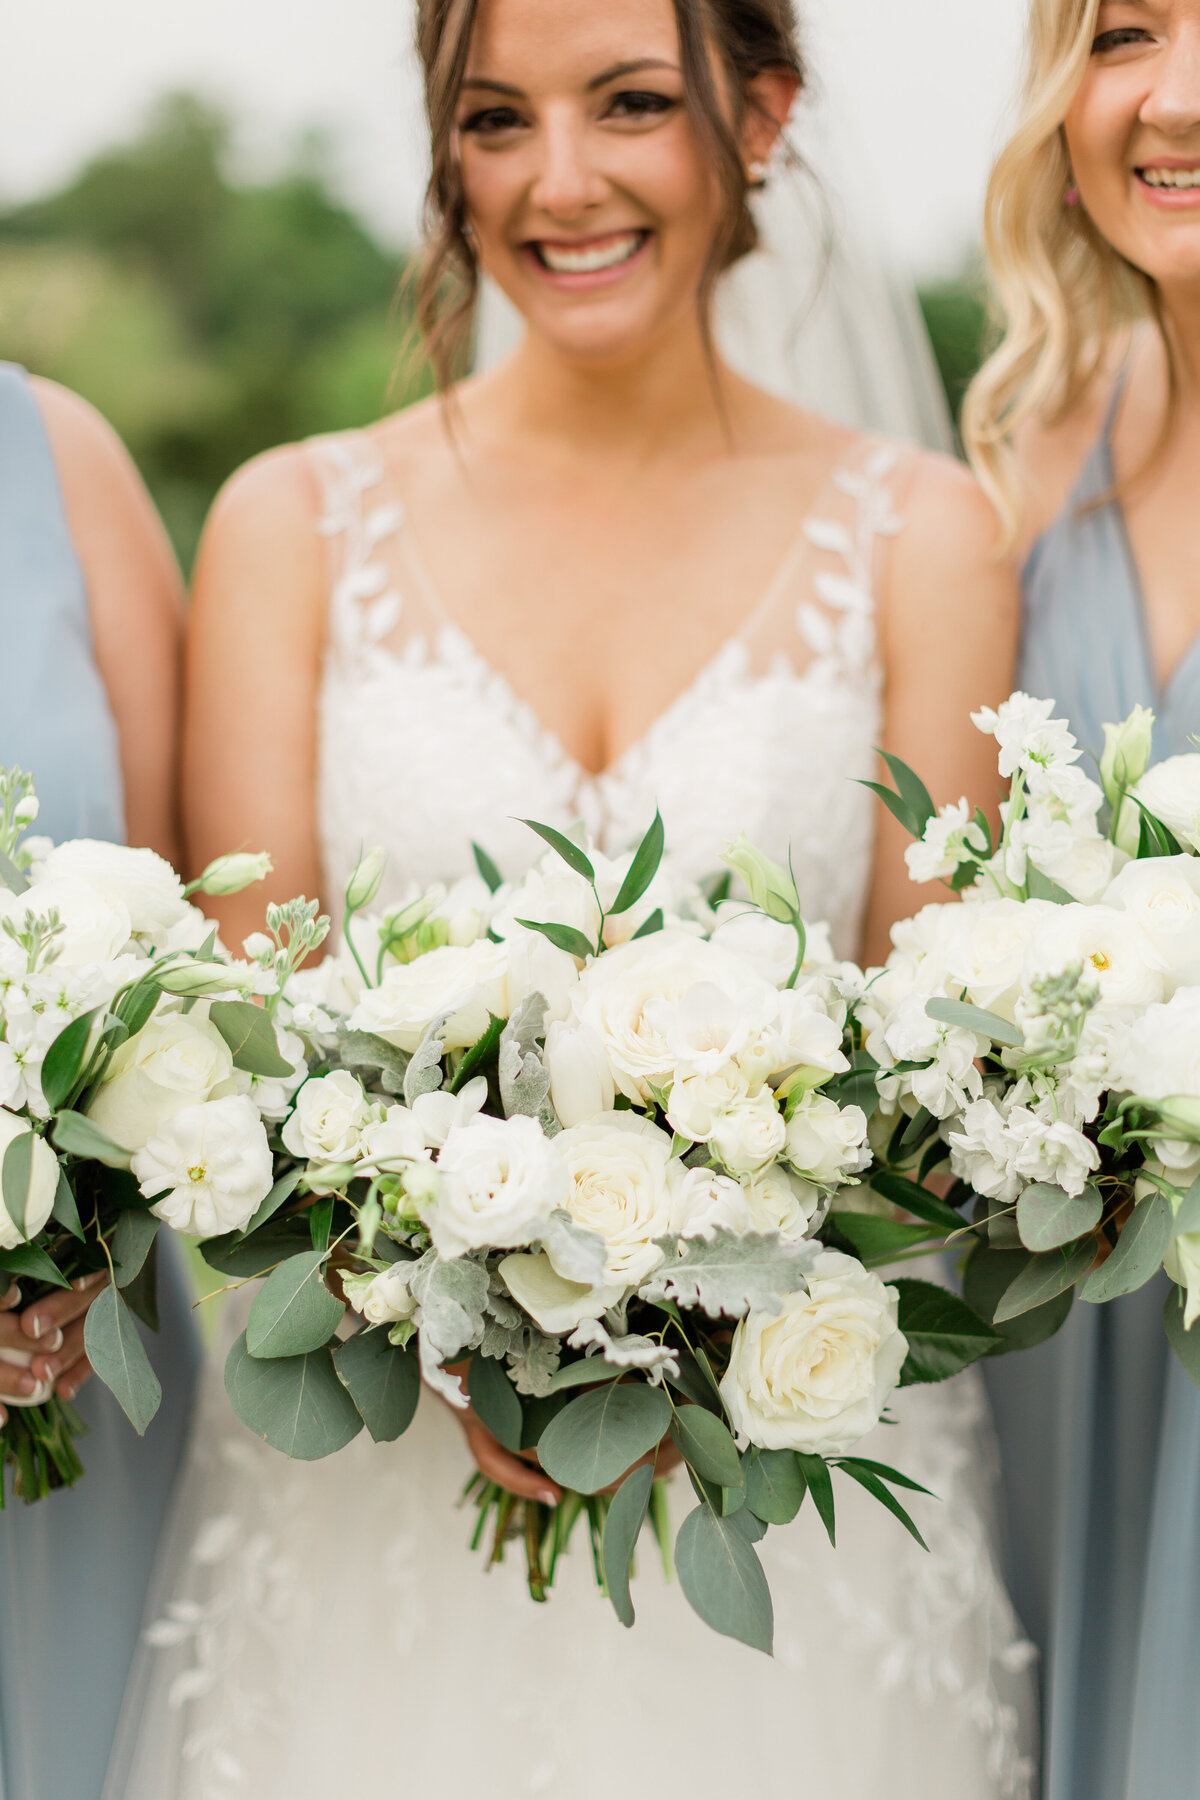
(616, 73)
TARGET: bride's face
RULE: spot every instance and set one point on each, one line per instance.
(1133, 133)
(592, 202)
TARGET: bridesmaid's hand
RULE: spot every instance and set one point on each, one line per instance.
(48, 1337)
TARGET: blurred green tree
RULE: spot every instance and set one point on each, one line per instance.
(207, 319)
(957, 320)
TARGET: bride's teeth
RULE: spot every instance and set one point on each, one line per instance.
(589, 262)
(1171, 178)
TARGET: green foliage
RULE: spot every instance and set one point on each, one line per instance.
(707, 1446)
(1185, 1343)
(944, 1334)
(595, 1439)
(294, 1312)
(494, 1399)
(118, 1356)
(1139, 1253)
(1048, 1218)
(775, 1488)
(622, 1529)
(250, 1036)
(296, 1403)
(975, 1018)
(987, 1277)
(383, 1381)
(723, 1578)
(956, 317)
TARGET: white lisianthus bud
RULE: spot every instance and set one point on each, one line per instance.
(25, 812)
(43, 1184)
(364, 883)
(770, 887)
(1126, 753)
(196, 980)
(233, 874)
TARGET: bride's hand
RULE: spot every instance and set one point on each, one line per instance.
(48, 1336)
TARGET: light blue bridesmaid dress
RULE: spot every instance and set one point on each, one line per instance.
(74, 1567)
(1100, 1428)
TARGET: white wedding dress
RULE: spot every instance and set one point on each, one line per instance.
(323, 1628)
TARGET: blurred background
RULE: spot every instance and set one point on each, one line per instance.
(206, 206)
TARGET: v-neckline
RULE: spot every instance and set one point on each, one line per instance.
(1161, 693)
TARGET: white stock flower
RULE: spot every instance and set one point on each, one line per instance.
(950, 838)
(332, 1112)
(95, 927)
(1050, 1150)
(177, 1060)
(211, 1165)
(467, 981)
(817, 1376)
(951, 1078)
(983, 1154)
(827, 1142)
(142, 882)
(501, 1180)
(581, 1083)
(619, 1185)
(1162, 894)
(1027, 734)
(751, 1134)
(43, 1184)
(703, 1202)
(1171, 791)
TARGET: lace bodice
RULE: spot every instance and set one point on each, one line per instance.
(424, 747)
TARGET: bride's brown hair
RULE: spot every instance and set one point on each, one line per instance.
(746, 37)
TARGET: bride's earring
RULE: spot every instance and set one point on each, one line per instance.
(756, 174)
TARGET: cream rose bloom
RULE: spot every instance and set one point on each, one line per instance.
(704, 1201)
(177, 1060)
(826, 1142)
(777, 1200)
(500, 1181)
(42, 1188)
(619, 1185)
(383, 1299)
(1171, 791)
(332, 1113)
(751, 1135)
(816, 1377)
(469, 981)
(142, 882)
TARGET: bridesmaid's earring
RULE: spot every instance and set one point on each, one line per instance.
(1071, 197)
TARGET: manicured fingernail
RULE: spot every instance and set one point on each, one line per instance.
(13, 1296)
(27, 1384)
(548, 1497)
(54, 1343)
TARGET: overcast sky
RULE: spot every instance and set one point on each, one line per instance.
(926, 85)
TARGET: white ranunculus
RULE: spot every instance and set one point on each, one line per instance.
(470, 982)
(1162, 894)
(501, 1180)
(752, 1135)
(1115, 952)
(142, 882)
(211, 1165)
(1171, 791)
(696, 1106)
(817, 1376)
(383, 1299)
(704, 1202)
(826, 1142)
(619, 1186)
(332, 1113)
(177, 1060)
(777, 1200)
(581, 1083)
(555, 1304)
(95, 927)
(42, 1188)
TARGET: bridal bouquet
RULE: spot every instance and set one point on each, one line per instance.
(588, 1154)
(135, 1073)
(1044, 1035)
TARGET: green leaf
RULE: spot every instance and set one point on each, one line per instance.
(13, 878)
(492, 878)
(17, 1179)
(1044, 1278)
(250, 1035)
(320, 1222)
(1185, 1344)
(912, 790)
(642, 869)
(495, 1400)
(135, 1233)
(1048, 1217)
(296, 1403)
(32, 1264)
(241, 1256)
(66, 1210)
(654, 923)
(1139, 1252)
(594, 1440)
(1039, 886)
(1187, 1219)
(478, 1056)
(866, 1478)
(881, 1240)
(622, 1528)
(117, 1354)
(706, 1445)
(65, 1059)
(775, 1488)
(75, 1135)
(896, 807)
(383, 1381)
(815, 1471)
(884, 1472)
(283, 1190)
(974, 1018)
(571, 854)
(294, 1312)
(136, 1007)
(723, 1579)
(695, 1382)
(583, 1373)
(944, 1335)
(563, 937)
(987, 1276)
(916, 1200)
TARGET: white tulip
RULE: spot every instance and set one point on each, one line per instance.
(581, 1083)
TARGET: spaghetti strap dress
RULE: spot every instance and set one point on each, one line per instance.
(73, 1568)
(1100, 1428)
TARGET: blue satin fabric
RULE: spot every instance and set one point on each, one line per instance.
(73, 1568)
(1100, 1428)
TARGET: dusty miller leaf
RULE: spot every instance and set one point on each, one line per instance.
(361, 1051)
(524, 1078)
(452, 1296)
(577, 1254)
(424, 1072)
(534, 1366)
(730, 1274)
(630, 1352)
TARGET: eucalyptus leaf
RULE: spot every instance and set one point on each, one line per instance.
(32, 1264)
(64, 1060)
(282, 1191)
(723, 1579)
(66, 1209)
(571, 854)
(257, 1254)
(587, 1372)
(248, 1031)
(494, 1399)
(1044, 1278)
(1137, 1258)
(296, 1403)
(815, 1471)
(14, 879)
(944, 1334)
(383, 1381)
(775, 1488)
(116, 1352)
(729, 1273)
(974, 1018)
(75, 1135)
(707, 1445)
(987, 1276)
(1048, 1217)
(294, 1312)
(622, 1528)
(642, 869)
(1187, 1219)
(16, 1179)
(594, 1440)
(1185, 1343)
(135, 1233)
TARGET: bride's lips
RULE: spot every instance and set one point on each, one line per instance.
(1171, 182)
(592, 262)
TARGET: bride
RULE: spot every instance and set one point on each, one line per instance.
(607, 574)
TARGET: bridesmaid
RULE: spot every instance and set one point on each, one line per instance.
(1085, 425)
(91, 621)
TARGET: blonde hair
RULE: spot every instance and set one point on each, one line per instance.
(1061, 290)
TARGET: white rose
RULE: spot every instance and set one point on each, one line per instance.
(704, 1202)
(826, 1142)
(43, 1184)
(1171, 791)
(752, 1135)
(178, 1060)
(399, 1137)
(332, 1112)
(619, 1186)
(1158, 1058)
(468, 981)
(581, 1083)
(383, 1299)
(707, 1028)
(816, 1377)
(211, 1165)
(144, 883)
(984, 947)
(501, 1180)
(696, 1106)
(95, 927)
(535, 966)
(777, 1200)
(1162, 895)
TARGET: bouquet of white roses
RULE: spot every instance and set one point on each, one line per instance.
(1044, 1036)
(135, 1072)
(575, 1144)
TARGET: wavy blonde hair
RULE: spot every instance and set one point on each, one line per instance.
(1061, 291)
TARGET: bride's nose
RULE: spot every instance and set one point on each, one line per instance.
(567, 181)
(1173, 104)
